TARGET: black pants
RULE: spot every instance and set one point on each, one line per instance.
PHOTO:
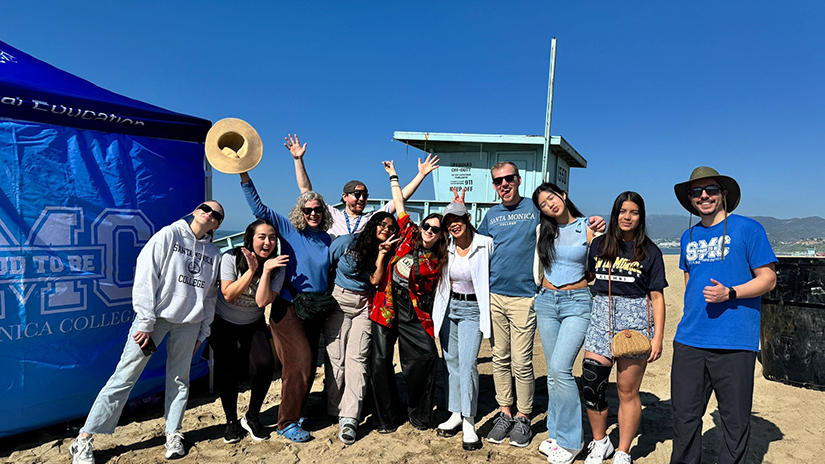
(235, 347)
(697, 372)
(418, 365)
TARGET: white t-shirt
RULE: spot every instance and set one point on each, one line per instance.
(244, 310)
(339, 220)
(461, 277)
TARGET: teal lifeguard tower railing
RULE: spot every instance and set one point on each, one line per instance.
(466, 160)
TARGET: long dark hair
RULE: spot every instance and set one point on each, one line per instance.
(548, 228)
(240, 260)
(613, 244)
(365, 245)
(439, 249)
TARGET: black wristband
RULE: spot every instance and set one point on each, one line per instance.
(731, 293)
(393, 177)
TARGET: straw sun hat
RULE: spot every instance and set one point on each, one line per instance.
(703, 172)
(233, 146)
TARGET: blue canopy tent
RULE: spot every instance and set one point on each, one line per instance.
(86, 177)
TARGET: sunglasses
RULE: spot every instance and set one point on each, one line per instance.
(510, 179)
(317, 210)
(208, 210)
(427, 227)
(712, 190)
(358, 194)
(390, 227)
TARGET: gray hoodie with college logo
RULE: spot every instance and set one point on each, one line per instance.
(176, 278)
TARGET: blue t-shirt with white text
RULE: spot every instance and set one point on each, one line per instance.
(342, 258)
(733, 324)
(513, 229)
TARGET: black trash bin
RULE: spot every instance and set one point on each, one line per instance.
(793, 324)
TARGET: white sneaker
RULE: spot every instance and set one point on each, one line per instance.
(546, 446)
(559, 455)
(622, 458)
(174, 446)
(82, 451)
(598, 451)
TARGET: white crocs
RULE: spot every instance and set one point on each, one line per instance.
(559, 455)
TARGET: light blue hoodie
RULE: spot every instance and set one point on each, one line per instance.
(176, 278)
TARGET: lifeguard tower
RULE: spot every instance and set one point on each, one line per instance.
(466, 160)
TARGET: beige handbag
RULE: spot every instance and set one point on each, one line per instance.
(627, 342)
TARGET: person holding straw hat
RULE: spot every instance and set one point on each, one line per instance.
(728, 264)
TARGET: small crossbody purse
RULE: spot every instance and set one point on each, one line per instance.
(627, 342)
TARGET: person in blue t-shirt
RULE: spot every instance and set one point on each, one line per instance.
(348, 330)
(728, 264)
(512, 226)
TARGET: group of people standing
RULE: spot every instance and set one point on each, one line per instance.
(368, 281)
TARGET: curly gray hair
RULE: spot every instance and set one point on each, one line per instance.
(296, 216)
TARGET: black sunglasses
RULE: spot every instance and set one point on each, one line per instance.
(317, 210)
(358, 194)
(427, 227)
(208, 210)
(509, 178)
(712, 190)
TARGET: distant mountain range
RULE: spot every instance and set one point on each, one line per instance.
(786, 235)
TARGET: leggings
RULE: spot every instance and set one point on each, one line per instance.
(235, 347)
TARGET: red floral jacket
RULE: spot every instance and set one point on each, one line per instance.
(383, 311)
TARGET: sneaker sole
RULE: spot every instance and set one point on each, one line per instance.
(520, 445)
(496, 442)
(231, 441)
(246, 427)
(174, 455)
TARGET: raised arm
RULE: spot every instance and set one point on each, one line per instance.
(232, 289)
(265, 295)
(381, 260)
(429, 165)
(397, 196)
(298, 151)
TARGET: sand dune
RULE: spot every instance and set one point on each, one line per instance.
(787, 424)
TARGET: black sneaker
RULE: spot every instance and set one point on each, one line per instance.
(501, 428)
(256, 430)
(233, 432)
(521, 434)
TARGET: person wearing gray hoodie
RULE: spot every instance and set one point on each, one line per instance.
(174, 294)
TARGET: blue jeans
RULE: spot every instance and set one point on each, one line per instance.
(562, 317)
(112, 398)
(460, 341)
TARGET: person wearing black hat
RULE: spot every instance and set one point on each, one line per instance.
(355, 192)
(728, 264)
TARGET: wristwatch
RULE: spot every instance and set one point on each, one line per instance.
(731, 294)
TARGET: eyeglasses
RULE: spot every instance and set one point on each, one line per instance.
(712, 190)
(428, 228)
(509, 178)
(208, 210)
(358, 194)
(317, 210)
(390, 227)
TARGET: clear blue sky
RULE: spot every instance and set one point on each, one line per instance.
(645, 91)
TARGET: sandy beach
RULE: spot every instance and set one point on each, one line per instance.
(786, 424)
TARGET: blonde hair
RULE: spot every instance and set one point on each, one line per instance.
(501, 164)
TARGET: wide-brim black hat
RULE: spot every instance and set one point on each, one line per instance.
(703, 172)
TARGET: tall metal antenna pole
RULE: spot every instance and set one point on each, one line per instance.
(549, 115)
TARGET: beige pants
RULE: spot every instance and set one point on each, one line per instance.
(347, 335)
(514, 327)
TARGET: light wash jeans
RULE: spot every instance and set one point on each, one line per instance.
(112, 398)
(563, 317)
(460, 342)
